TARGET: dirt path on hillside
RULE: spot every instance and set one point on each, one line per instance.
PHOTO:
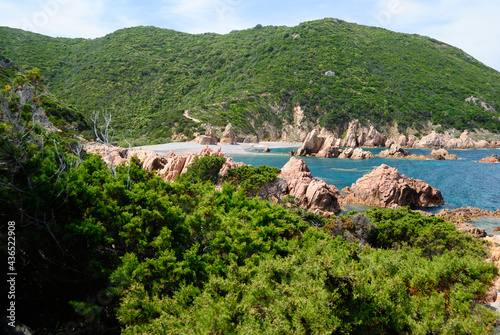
(190, 117)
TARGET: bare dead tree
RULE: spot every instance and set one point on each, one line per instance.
(77, 150)
(104, 134)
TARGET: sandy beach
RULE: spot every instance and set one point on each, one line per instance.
(180, 148)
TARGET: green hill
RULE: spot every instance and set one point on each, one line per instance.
(146, 77)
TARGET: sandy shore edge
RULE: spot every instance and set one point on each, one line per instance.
(180, 148)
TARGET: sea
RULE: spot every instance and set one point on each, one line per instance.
(462, 182)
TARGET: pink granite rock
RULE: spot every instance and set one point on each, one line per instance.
(441, 154)
(313, 194)
(386, 187)
(490, 159)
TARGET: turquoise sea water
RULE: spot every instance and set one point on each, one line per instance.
(462, 182)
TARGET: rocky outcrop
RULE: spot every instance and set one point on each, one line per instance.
(209, 138)
(311, 144)
(351, 138)
(228, 137)
(251, 139)
(440, 154)
(26, 95)
(228, 165)
(314, 194)
(461, 215)
(110, 154)
(329, 146)
(206, 140)
(490, 159)
(471, 230)
(435, 140)
(481, 103)
(386, 187)
(395, 151)
(402, 140)
(356, 153)
(366, 136)
(168, 167)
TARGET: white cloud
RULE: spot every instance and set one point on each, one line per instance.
(65, 18)
(198, 16)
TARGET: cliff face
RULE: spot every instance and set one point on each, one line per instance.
(26, 95)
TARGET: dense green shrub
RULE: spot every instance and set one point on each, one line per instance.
(204, 168)
(251, 179)
(432, 235)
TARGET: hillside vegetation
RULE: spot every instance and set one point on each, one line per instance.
(146, 77)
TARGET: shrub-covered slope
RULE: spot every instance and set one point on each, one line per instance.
(253, 78)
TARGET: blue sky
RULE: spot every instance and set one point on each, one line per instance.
(471, 25)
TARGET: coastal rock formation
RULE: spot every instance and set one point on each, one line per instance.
(319, 146)
(368, 136)
(440, 154)
(386, 187)
(351, 138)
(311, 144)
(324, 144)
(395, 151)
(402, 140)
(356, 153)
(168, 167)
(209, 138)
(463, 142)
(110, 154)
(251, 139)
(206, 140)
(228, 137)
(314, 194)
(490, 159)
(471, 230)
(435, 140)
(329, 146)
(228, 165)
(461, 215)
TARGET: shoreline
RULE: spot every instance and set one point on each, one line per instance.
(180, 148)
